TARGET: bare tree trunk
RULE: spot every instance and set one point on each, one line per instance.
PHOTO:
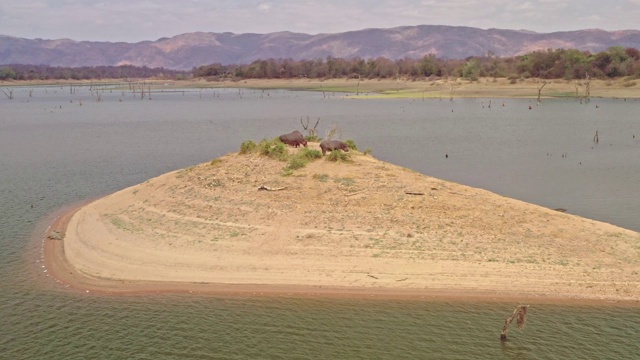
(588, 89)
(311, 132)
(520, 313)
(8, 95)
(540, 90)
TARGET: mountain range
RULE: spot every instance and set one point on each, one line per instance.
(189, 50)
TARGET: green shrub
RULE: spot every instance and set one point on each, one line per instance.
(279, 151)
(296, 162)
(273, 148)
(309, 154)
(312, 138)
(351, 144)
(302, 158)
(247, 147)
(338, 155)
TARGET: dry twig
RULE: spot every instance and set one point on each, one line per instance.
(271, 189)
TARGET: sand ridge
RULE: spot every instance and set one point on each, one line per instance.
(363, 225)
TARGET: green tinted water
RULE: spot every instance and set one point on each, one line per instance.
(53, 153)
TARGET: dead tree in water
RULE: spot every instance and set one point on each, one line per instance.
(596, 139)
(540, 90)
(451, 91)
(520, 314)
(9, 95)
(587, 92)
(311, 132)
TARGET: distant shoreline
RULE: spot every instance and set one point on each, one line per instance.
(445, 89)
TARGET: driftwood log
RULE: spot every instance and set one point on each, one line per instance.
(271, 189)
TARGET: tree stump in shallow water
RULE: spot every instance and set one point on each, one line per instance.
(520, 313)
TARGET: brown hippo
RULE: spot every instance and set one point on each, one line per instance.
(294, 139)
(330, 145)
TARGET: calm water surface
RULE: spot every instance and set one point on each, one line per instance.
(55, 152)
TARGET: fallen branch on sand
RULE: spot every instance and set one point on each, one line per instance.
(271, 189)
(413, 193)
(355, 193)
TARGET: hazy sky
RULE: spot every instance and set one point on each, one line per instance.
(134, 20)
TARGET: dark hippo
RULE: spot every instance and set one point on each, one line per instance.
(294, 139)
(330, 145)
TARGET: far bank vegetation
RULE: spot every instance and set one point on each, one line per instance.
(568, 64)
(615, 62)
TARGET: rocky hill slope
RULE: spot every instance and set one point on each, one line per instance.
(194, 49)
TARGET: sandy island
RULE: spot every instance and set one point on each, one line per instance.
(359, 228)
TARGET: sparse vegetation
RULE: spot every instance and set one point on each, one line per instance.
(309, 154)
(274, 149)
(296, 162)
(247, 147)
(345, 181)
(339, 156)
(351, 144)
(277, 150)
(302, 158)
(321, 177)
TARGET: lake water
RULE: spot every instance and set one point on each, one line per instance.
(55, 152)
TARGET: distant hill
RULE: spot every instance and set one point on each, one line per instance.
(194, 49)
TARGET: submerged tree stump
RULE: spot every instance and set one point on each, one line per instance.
(520, 313)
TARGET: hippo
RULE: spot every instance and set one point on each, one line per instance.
(294, 139)
(330, 145)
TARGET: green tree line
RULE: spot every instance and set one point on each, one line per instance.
(616, 61)
(45, 72)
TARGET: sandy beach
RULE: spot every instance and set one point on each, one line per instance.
(363, 228)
